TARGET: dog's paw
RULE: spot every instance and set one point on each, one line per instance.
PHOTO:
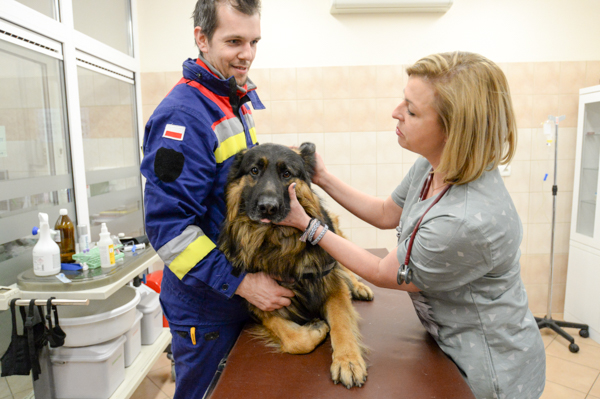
(304, 339)
(361, 292)
(349, 370)
(320, 325)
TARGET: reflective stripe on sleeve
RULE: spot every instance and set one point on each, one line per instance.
(230, 147)
(183, 252)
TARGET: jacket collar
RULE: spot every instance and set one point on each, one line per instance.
(201, 71)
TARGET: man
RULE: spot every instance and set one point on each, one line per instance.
(189, 144)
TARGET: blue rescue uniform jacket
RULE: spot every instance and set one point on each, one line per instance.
(189, 145)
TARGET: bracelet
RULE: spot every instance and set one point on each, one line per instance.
(316, 241)
(313, 230)
(305, 234)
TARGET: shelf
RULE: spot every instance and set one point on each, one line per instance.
(588, 202)
(103, 292)
(135, 374)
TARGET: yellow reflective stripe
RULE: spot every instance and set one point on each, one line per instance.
(190, 256)
(230, 147)
(193, 335)
(253, 135)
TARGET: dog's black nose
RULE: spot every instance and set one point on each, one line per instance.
(268, 206)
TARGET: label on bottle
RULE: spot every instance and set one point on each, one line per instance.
(111, 251)
(107, 255)
(49, 260)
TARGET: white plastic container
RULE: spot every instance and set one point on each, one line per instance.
(133, 343)
(89, 372)
(152, 322)
(46, 252)
(106, 248)
(100, 321)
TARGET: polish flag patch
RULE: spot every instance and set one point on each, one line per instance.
(174, 132)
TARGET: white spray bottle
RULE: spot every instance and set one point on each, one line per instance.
(46, 253)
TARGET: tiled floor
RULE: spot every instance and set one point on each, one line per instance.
(568, 375)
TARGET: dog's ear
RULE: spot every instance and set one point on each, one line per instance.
(307, 152)
(235, 172)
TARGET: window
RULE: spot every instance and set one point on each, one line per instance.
(46, 7)
(35, 166)
(108, 21)
(110, 142)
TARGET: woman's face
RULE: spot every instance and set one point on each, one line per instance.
(418, 127)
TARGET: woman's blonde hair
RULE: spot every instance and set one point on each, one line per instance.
(473, 102)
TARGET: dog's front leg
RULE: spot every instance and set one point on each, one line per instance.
(348, 366)
(294, 338)
(359, 290)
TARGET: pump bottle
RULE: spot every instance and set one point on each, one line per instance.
(65, 237)
(106, 248)
(46, 253)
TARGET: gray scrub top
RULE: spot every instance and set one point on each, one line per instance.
(465, 259)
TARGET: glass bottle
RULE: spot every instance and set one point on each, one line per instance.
(65, 237)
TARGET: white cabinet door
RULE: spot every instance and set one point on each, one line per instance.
(585, 222)
(582, 299)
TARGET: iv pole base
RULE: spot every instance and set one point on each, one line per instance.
(555, 325)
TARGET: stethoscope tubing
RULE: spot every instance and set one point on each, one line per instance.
(405, 272)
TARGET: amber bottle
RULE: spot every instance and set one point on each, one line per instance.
(65, 237)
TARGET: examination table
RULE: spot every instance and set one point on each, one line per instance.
(404, 361)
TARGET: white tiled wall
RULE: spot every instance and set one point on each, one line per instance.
(346, 112)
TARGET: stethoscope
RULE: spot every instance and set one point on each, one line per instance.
(404, 272)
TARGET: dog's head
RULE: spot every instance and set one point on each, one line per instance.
(259, 179)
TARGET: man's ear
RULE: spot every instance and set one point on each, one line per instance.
(201, 39)
(307, 152)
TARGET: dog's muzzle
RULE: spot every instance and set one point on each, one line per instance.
(267, 207)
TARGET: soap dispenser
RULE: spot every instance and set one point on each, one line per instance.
(46, 253)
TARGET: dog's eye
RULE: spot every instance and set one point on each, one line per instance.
(287, 174)
(254, 171)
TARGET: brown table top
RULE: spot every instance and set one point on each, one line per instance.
(404, 361)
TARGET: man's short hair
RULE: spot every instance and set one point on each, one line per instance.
(205, 13)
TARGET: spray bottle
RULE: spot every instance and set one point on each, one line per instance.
(106, 248)
(46, 253)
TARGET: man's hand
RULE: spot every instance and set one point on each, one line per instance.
(263, 292)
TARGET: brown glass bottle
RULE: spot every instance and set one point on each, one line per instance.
(65, 237)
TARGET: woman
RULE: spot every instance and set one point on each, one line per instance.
(463, 271)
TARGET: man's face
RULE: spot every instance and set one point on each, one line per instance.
(233, 45)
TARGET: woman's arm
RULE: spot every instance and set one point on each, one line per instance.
(381, 272)
(383, 214)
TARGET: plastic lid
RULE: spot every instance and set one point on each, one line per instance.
(149, 302)
(82, 229)
(121, 235)
(87, 354)
(103, 229)
(63, 211)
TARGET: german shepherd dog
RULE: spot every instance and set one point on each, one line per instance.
(257, 189)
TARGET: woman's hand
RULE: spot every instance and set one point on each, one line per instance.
(320, 170)
(297, 217)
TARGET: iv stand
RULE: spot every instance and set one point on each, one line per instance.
(547, 321)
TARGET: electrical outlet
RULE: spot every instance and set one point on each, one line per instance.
(504, 170)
